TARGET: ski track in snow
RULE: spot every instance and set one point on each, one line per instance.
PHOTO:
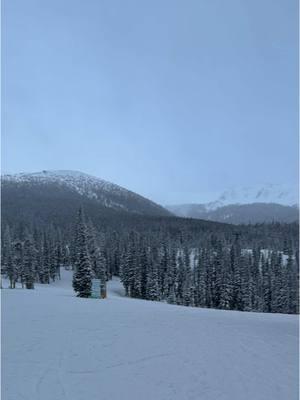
(58, 347)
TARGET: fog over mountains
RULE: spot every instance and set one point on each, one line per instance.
(261, 203)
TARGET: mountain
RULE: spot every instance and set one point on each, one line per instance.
(263, 203)
(58, 194)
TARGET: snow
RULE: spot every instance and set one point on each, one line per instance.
(264, 193)
(284, 194)
(75, 179)
(107, 193)
(58, 347)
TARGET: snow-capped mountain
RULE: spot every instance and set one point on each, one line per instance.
(89, 188)
(268, 193)
(261, 203)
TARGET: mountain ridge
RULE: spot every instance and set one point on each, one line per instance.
(260, 203)
(100, 191)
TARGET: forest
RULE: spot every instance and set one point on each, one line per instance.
(175, 260)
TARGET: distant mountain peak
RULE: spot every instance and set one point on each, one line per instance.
(263, 193)
(260, 203)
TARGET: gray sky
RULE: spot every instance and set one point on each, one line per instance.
(172, 99)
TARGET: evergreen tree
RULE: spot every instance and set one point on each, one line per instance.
(153, 282)
(18, 262)
(144, 267)
(226, 286)
(82, 277)
(29, 261)
(7, 259)
(200, 280)
(266, 285)
(124, 273)
(45, 267)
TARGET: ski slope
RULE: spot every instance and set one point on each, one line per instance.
(59, 347)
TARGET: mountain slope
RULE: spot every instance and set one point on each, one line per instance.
(58, 346)
(263, 203)
(267, 193)
(239, 213)
(54, 191)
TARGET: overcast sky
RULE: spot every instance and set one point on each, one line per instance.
(172, 99)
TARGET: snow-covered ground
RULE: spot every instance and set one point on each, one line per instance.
(59, 347)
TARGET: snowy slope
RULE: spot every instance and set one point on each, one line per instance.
(57, 347)
(261, 203)
(105, 193)
(267, 193)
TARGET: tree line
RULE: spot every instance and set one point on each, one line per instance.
(210, 268)
(220, 276)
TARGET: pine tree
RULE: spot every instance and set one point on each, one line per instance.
(133, 268)
(45, 267)
(266, 285)
(53, 261)
(279, 284)
(58, 258)
(293, 284)
(200, 280)
(226, 286)
(82, 277)
(29, 261)
(164, 262)
(124, 273)
(171, 278)
(153, 282)
(235, 255)
(18, 262)
(246, 297)
(102, 271)
(7, 259)
(180, 279)
(144, 267)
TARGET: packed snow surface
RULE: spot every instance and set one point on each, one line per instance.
(59, 347)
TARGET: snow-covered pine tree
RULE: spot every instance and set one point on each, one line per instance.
(279, 283)
(293, 283)
(188, 286)
(200, 280)
(53, 260)
(58, 260)
(235, 255)
(102, 271)
(18, 261)
(124, 273)
(246, 297)
(226, 285)
(45, 267)
(144, 267)
(180, 278)
(153, 289)
(132, 267)
(82, 277)
(29, 261)
(164, 262)
(7, 259)
(256, 281)
(217, 269)
(171, 278)
(266, 284)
